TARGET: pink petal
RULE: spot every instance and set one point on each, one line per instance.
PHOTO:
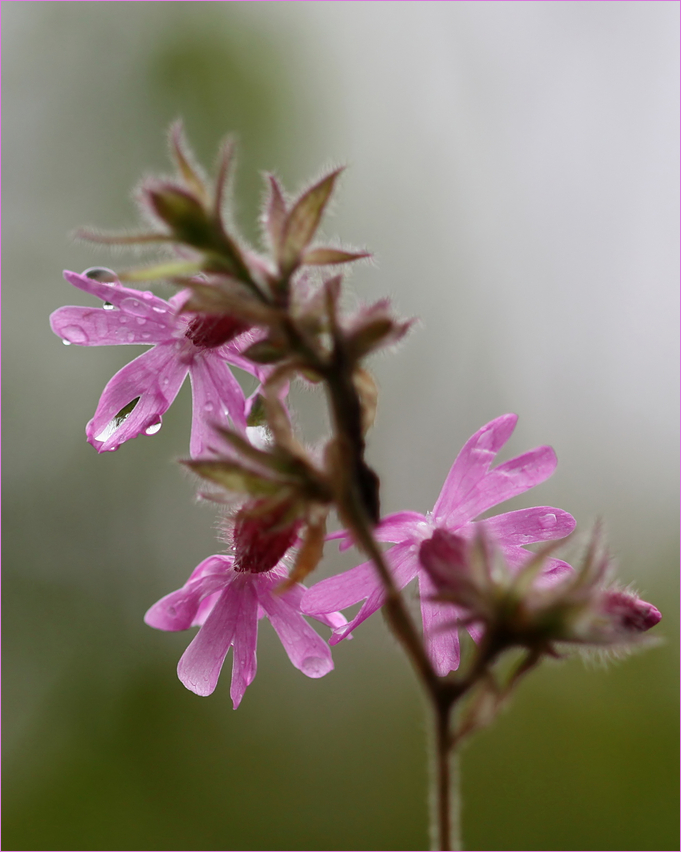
(305, 648)
(217, 397)
(134, 303)
(245, 641)
(177, 610)
(393, 528)
(405, 566)
(155, 376)
(554, 570)
(340, 591)
(99, 327)
(505, 481)
(439, 629)
(294, 597)
(527, 526)
(200, 665)
(473, 462)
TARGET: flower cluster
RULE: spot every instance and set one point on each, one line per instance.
(279, 317)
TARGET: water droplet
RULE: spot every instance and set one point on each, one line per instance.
(134, 306)
(141, 321)
(108, 306)
(153, 429)
(146, 335)
(122, 319)
(208, 406)
(547, 521)
(130, 336)
(66, 342)
(159, 310)
(315, 666)
(147, 294)
(101, 273)
(75, 334)
(117, 421)
(165, 382)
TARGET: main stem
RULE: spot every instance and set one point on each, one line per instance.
(445, 795)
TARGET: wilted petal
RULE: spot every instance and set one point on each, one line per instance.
(527, 526)
(245, 664)
(155, 377)
(439, 629)
(100, 327)
(473, 462)
(200, 665)
(505, 481)
(216, 397)
(305, 648)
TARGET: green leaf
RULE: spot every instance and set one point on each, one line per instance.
(330, 256)
(234, 477)
(303, 220)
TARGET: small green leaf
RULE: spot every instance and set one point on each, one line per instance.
(265, 352)
(331, 256)
(303, 220)
(234, 477)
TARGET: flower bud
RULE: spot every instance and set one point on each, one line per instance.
(458, 575)
(183, 213)
(262, 536)
(626, 613)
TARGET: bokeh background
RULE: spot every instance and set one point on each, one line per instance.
(514, 168)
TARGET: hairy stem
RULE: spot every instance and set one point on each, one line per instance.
(445, 791)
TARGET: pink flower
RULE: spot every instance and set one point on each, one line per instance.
(226, 595)
(137, 397)
(470, 489)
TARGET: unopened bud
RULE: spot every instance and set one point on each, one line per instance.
(448, 560)
(628, 613)
(183, 213)
(262, 537)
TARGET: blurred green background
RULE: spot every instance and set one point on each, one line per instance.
(514, 168)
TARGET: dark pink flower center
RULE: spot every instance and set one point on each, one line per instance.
(207, 331)
(261, 539)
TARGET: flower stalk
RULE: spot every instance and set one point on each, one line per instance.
(278, 318)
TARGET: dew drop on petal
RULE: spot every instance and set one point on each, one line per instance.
(147, 294)
(66, 342)
(153, 429)
(165, 382)
(146, 335)
(108, 306)
(141, 321)
(117, 421)
(314, 666)
(547, 521)
(159, 310)
(208, 406)
(101, 273)
(75, 334)
(134, 306)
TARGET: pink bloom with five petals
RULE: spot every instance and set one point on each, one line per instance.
(181, 344)
(470, 489)
(227, 603)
